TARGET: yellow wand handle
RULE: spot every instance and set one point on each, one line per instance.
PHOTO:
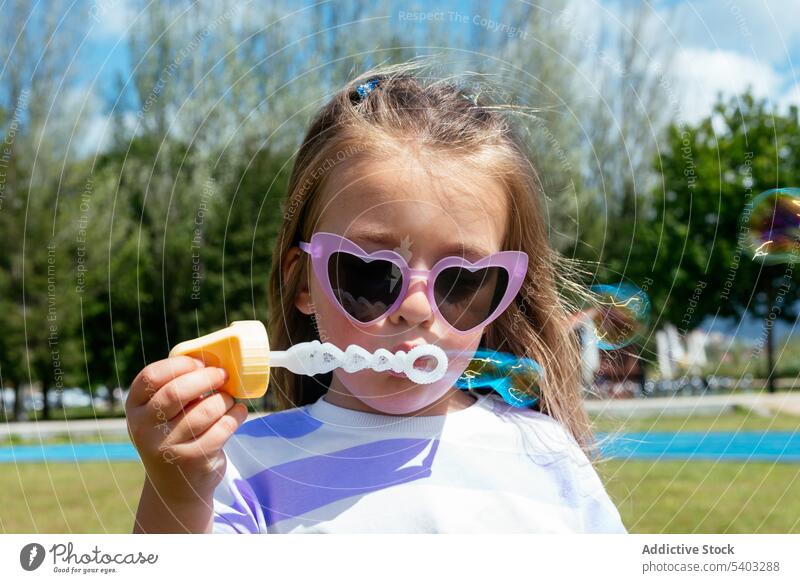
(242, 349)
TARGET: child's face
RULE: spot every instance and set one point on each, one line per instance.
(426, 212)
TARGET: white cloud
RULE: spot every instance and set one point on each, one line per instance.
(699, 74)
(766, 29)
(726, 46)
(80, 120)
(714, 47)
(110, 18)
(790, 97)
(96, 136)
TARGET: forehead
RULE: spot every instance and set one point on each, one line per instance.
(440, 206)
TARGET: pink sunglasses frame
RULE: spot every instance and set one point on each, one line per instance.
(323, 245)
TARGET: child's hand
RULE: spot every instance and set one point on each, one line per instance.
(178, 432)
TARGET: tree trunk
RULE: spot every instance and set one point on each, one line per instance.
(44, 374)
(45, 404)
(18, 401)
(770, 358)
(112, 399)
(770, 324)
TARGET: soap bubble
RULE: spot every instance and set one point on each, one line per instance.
(516, 379)
(774, 226)
(620, 315)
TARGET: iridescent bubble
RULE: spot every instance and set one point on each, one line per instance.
(774, 226)
(517, 380)
(620, 315)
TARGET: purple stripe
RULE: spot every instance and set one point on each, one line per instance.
(241, 524)
(288, 424)
(296, 487)
(244, 507)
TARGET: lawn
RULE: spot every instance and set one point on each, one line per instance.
(653, 497)
(739, 420)
(63, 438)
(69, 498)
(704, 497)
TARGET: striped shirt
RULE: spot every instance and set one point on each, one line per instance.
(488, 468)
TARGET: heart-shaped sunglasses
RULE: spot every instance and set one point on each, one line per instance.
(371, 286)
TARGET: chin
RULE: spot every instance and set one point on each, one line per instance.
(398, 395)
(400, 404)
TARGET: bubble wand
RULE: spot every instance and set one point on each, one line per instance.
(242, 349)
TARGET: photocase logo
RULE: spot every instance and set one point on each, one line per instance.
(31, 556)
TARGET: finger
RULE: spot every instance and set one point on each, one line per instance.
(201, 414)
(156, 374)
(215, 436)
(179, 392)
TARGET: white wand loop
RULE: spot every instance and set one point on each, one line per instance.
(312, 358)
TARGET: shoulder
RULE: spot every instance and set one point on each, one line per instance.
(552, 437)
(271, 439)
(551, 434)
(544, 439)
(550, 445)
(289, 424)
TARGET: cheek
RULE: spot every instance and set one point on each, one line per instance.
(460, 349)
(332, 325)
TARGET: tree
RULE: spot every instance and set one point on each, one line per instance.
(36, 321)
(696, 247)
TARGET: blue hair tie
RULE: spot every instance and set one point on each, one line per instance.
(365, 88)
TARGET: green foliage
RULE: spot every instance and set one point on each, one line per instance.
(695, 248)
(168, 233)
(172, 255)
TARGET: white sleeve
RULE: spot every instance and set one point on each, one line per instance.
(598, 513)
(546, 439)
(236, 507)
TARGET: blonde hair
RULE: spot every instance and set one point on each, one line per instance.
(444, 120)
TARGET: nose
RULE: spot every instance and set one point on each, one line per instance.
(415, 308)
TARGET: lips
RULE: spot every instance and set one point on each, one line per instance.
(406, 346)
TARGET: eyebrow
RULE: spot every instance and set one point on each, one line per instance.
(471, 252)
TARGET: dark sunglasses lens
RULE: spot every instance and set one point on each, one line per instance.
(467, 298)
(365, 289)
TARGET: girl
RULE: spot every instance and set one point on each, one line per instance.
(412, 217)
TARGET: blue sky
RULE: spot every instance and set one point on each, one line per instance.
(719, 46)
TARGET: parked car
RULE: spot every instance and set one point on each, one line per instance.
(32, 402)
(76, 397)
(68, 398)
(7, 399)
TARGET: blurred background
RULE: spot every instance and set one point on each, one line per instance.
(145, 157)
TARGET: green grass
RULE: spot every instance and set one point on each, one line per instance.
(95, 497)
(653, 497)
(63, 438)
(739, 420)
(704, 497)
(75, 413)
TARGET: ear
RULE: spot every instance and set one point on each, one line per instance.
(302, 300)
